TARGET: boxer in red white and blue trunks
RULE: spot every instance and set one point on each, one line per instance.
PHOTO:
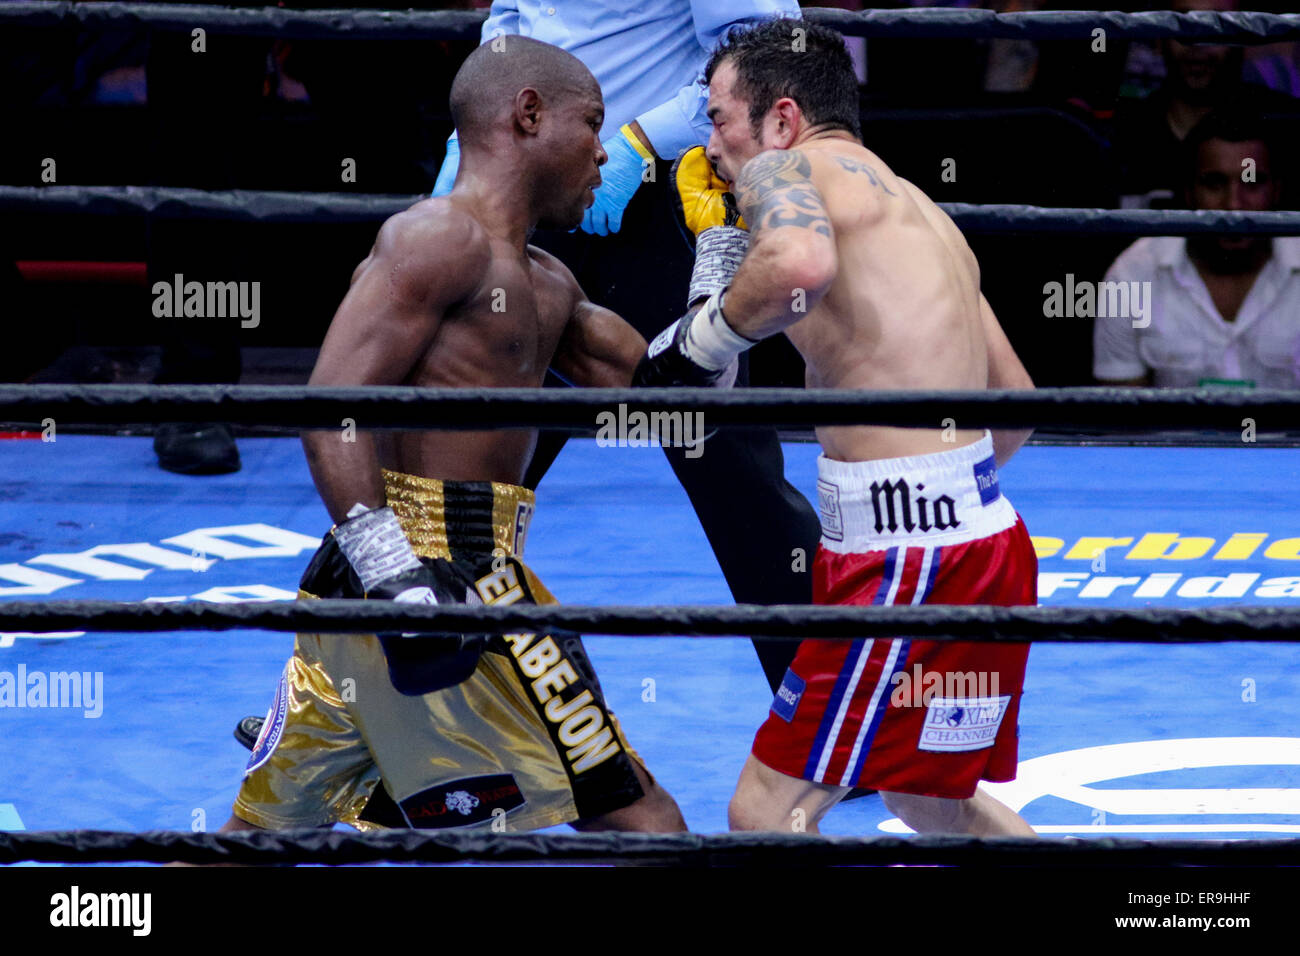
(878, 290)
(922, 717)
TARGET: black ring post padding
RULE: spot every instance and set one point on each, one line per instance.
(467, 24)
(976, 623)
(683, 849)
(248, 205)
(577, 409)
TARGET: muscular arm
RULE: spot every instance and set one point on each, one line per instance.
(382, 330)
(792, 259)
(1005, 371)
(598, 348)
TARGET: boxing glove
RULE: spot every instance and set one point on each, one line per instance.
(709, 219)
(699, 349)
(418, 662)
(378, 551)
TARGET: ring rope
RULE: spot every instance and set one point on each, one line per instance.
(466, 24)
(735, 849)
(238, 205)
(975, 623)
(579, 409)
(234, 205)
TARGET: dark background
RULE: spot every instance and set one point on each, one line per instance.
(256, 113)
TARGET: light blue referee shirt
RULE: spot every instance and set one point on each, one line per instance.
(647, 55)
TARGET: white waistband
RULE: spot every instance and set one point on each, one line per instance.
(930, 500)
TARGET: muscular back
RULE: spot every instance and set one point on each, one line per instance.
(904, 308)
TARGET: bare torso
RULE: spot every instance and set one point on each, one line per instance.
(503, 335)
(904, 309)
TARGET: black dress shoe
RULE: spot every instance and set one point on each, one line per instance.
(196, 449)
(248, 730)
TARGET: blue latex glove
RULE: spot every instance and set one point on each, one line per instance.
(450, 164)
(620, 179)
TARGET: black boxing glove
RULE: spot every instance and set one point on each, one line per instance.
(419, 663)
(699, 349)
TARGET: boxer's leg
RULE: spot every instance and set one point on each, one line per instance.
(236, 824)
(655, 812)
(766, 799)
(979, 816)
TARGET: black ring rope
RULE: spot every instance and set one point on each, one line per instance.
(1001, 218)
(733, 849)
(577, 409)
(305, 207)
(234, 205)
(1238, 28)
(466, 24)
(978, 623)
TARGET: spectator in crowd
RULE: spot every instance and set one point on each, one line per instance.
(1199, 78)
(1220, 309)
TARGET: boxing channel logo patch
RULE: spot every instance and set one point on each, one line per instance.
(954, 724)
(462, 803)
(828, 503)
(272, 728)
(788, 695)
(986, 480)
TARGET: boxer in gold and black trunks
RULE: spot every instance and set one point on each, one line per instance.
(461, 730)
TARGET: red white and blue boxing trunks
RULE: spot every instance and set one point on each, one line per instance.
(923, 717)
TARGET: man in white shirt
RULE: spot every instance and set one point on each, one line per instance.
(1222, 309)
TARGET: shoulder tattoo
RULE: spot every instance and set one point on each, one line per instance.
(856, 166)
(775, 191)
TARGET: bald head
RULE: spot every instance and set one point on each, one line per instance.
(484, 92)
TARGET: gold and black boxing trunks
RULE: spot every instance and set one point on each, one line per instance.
(526, 739)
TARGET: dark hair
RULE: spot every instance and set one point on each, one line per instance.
(794, 58)
(1231, 126)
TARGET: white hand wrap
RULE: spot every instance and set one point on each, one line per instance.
(375, 545)
(719, 250)
(710, 342)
